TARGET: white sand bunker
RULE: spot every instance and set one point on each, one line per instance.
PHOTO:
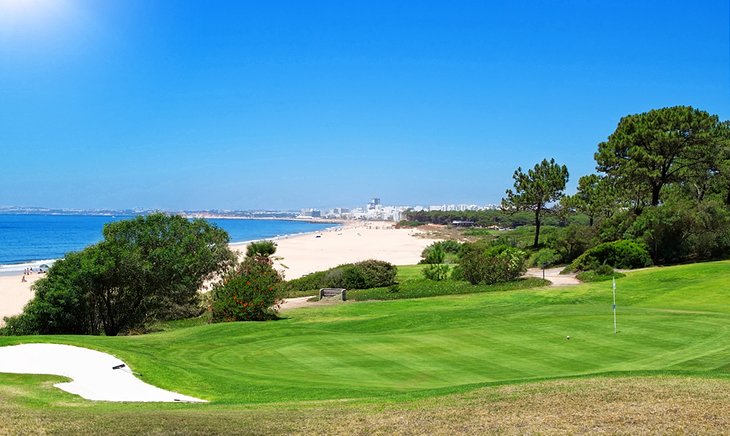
(92, 372)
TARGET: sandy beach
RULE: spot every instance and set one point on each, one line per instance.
(297, 255)
(303, 254)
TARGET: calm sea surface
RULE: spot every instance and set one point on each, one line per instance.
(27, 240)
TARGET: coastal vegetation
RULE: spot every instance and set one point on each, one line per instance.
(662, 191)
(360, 275)
(476, 361)
(251, 291)
(146, 269)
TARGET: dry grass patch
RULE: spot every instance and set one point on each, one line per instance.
(615, 405)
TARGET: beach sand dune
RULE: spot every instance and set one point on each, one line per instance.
(304, 254)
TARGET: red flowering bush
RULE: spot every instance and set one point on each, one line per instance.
(250, 293)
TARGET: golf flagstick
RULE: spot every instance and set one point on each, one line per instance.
(614, 305)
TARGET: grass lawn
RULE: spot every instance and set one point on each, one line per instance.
(413, 359)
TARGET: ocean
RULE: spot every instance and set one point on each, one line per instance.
(32, 240)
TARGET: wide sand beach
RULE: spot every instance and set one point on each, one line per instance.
(297, 255)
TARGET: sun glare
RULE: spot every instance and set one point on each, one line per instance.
(34, 18)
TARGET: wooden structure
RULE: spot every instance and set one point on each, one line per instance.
(333, 292)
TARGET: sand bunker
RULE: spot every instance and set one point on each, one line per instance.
(92, 373)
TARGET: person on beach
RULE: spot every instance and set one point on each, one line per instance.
(23, 280)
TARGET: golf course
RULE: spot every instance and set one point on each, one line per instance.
(532, 360)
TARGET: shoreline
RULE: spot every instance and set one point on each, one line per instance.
(296, 255)
(16, 268)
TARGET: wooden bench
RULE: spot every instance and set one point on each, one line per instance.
(333, 292)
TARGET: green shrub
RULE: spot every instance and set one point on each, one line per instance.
(438, 251)
(617, 254)
(457, 273)
(361, 275)
(601, 274)
(309, 282)
(493, 265)
(544, 258)
(248, 294)
(437, 271)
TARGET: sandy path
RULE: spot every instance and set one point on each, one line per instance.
(92, 373)
(554, 276)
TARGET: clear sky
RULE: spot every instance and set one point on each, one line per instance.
(288, 104)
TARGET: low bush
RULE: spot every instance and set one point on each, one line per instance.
(362, 275)
(422, 288)
(250, 293)
(618, 254)
(601, 274)
(544, 258)
(496, 264)
(437, 272)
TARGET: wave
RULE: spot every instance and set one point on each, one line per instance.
(18, 268)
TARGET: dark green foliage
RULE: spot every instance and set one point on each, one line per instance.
(595, 198)
(684, 230)
(571, 241)
(146, 269)
(651, 150)
(407, 224)
(535, 190)
(491, 265)
(250, 293)
(59, 306)
(361, 275)
(618, 254)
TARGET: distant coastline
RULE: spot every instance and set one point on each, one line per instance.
(30, 240)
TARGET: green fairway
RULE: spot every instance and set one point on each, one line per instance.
(670, 319)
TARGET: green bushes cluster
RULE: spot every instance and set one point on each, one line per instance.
(361, 275)
(618, 254)
(489, 265)
(436, 271)
(440, 252)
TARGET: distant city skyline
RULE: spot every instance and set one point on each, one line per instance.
(290, 105)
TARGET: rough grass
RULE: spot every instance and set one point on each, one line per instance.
(615, 405)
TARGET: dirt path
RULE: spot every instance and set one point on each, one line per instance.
(553, 274)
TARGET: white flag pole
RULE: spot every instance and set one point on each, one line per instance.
(614, 305)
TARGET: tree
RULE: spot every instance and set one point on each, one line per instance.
(146, 269)
(650, 150)
(535, 190)
(593, 198)
(261, 249)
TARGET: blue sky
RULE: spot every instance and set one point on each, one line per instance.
(277, 104)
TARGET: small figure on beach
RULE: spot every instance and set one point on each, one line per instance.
(23, 280)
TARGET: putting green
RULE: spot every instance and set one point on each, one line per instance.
(670, 320)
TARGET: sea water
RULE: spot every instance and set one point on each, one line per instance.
(32, 240)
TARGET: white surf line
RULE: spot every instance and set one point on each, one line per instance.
(93, 373)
